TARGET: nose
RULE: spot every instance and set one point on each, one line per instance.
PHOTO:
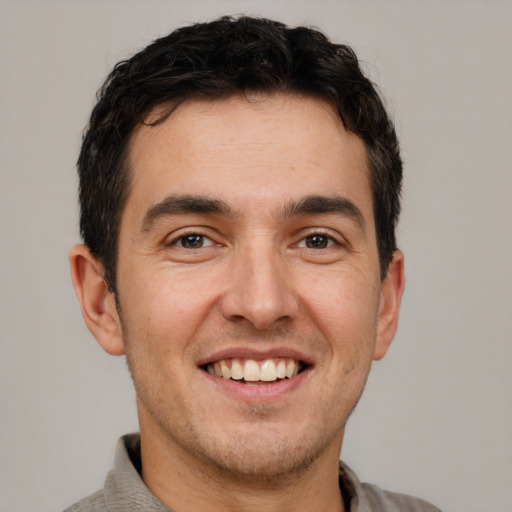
(260, 290)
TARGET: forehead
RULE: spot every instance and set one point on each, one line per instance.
(247, 150)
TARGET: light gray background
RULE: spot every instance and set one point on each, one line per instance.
(436, 418)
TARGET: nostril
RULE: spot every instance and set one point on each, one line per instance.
(260, 293)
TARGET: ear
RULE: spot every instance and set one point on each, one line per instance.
(97, 303)
(392, 289)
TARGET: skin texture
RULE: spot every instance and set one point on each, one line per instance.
(254, 285)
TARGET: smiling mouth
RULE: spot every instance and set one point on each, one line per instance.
(252, 371)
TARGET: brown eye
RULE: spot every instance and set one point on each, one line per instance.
(193, 241)
(317, 241)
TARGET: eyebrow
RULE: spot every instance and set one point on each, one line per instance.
(317, 205)
(309, 205)
(176, 205)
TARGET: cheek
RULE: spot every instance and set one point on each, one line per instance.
(164, 309)
(346, 318)
(342, 299)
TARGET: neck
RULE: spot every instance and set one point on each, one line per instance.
(185, 483)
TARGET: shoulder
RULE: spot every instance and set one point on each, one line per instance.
(93, 503)
(364, 497)
(374, 498)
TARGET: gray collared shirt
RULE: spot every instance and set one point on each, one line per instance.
(125, 491)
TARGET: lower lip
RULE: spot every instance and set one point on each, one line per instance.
(264, 392)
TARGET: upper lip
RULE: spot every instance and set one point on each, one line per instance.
(258, 354)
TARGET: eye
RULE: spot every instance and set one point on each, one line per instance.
(193, 241)
(317, 241)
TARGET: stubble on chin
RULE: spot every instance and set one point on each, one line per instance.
(257, 462)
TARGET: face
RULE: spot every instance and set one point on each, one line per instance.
(248, 280)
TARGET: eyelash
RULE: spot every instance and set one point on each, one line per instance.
(175, 241)
(330, 240)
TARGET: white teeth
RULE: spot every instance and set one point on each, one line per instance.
(281, 370)
(292, 368)
(237, 370)
(217, 369)
(224, 368)
(268, 371)
(253, 371)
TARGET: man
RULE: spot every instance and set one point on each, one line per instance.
(239, 190)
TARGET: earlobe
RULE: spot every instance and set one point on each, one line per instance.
(97, 303)
(391, 297)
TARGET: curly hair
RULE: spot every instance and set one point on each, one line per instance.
(215, 60)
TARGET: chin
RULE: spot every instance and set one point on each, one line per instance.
(263, 457)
